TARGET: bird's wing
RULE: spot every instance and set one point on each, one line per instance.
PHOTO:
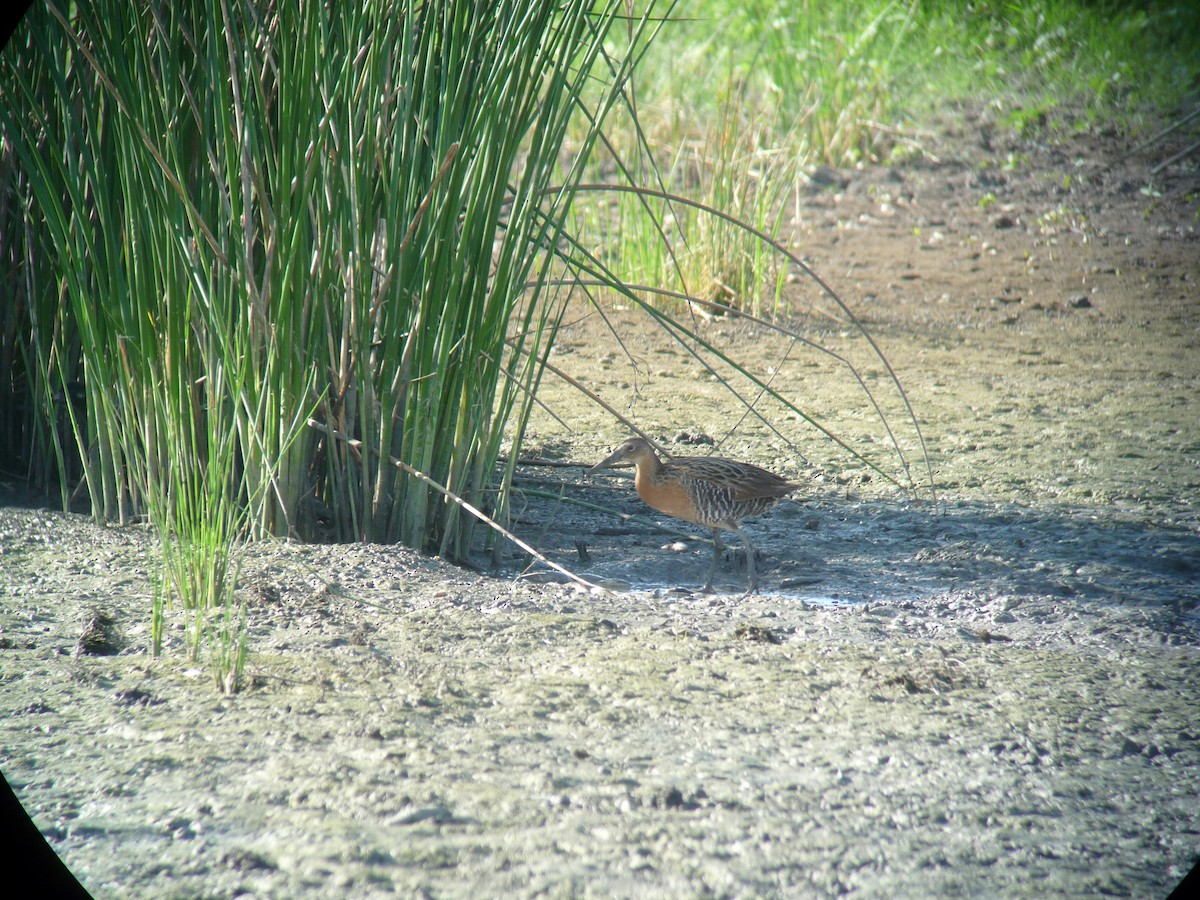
(746, 481)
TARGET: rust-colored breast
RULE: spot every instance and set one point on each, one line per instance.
(667, 496)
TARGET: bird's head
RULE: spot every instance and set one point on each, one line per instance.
(630, 453)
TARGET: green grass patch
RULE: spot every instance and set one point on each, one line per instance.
(232, 219)
(846, 81)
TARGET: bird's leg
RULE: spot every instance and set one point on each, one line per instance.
(718, 549)
(752, 576)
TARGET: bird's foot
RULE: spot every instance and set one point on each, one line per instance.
(738, 557)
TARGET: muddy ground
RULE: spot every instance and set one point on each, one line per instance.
(993, 694)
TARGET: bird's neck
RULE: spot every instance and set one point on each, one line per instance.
(647, 472)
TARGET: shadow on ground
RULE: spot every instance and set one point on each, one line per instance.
(827, 548)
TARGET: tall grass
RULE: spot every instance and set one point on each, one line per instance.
(1058, 64)
(736, 97)
(240, 215)
(848, 81)
(735, 166)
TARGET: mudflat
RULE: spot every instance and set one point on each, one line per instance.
(994, 694)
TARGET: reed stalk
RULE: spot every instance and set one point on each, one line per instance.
(242, 215)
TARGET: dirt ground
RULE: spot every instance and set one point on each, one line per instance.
(993, 694)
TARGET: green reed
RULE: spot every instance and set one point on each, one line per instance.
(240, 216)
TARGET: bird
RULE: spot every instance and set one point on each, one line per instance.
(708, 491)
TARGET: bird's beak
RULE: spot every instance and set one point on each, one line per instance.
(606, 463)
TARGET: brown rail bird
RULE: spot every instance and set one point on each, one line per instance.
(705, 490)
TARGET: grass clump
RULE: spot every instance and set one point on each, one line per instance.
(1059, 64)
(846, 81)
(650, 240)
(233, 218)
